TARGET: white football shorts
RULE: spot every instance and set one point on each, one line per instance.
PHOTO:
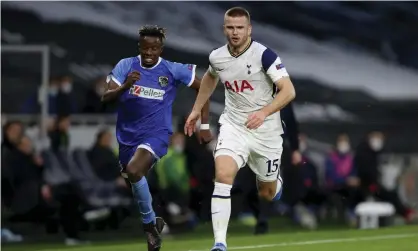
(262, 151)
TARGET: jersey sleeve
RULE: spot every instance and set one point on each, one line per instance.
(119, 73)
(211, 69)
(273, 66)
(184, 73)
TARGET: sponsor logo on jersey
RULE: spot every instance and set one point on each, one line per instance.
(279, 66)
(238, 86)
(163, 81)
(190, 67)
(146, 92)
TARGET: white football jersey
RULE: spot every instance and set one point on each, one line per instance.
(248, 79)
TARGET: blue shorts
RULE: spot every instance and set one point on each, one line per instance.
(156, 146)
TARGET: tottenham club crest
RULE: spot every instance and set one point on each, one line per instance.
(163, 81)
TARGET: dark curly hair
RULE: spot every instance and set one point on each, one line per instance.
(153, 31)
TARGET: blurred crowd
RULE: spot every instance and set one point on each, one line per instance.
(66, 97)
(81, 189)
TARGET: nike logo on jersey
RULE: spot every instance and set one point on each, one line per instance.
(146, 92)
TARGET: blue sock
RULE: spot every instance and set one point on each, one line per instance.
(142, 197)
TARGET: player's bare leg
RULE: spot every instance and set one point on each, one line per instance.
(137, 169)
(225, 171)
(270, 191)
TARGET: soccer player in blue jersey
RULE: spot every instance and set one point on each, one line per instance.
(145, 87)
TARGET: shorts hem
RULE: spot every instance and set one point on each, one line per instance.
(149, 149)
(227, 152)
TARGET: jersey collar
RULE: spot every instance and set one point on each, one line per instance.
(149, 68)
(242, 52)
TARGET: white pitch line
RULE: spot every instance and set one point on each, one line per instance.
(302, 243)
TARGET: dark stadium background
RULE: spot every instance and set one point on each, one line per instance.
(375, 45)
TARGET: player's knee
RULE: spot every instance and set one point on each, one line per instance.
(135, 170)
(266, 193)
(226, 169)
(225, 176)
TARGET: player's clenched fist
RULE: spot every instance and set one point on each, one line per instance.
(191, 123)
(255, 120)
(131, 79)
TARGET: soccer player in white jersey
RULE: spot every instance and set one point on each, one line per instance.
(257, 87)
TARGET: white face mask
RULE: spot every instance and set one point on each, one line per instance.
(343, 147)
(178, 148)
(67, 87)
(376, 144)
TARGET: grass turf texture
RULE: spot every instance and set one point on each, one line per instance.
(403, 238)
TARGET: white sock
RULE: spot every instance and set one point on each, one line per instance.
(221, 211)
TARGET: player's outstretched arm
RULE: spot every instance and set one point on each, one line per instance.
(205, 109)
(207, 86)
(205, 135)
(114, 90)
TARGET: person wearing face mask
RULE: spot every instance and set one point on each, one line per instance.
(32, 105)
(367, 162)
(65, 100)
(340, 173)
(174, 180)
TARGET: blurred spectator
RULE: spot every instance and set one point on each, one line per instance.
(367, 164)
(340, 174)
(316, 154)
(32, 199)
(103, 160)
(93, 102)
(291, 132)
(12, 134)
(201, 166)
(340, 171)
(59, 134)
(60, 100)
(313, 195)
(105, 165)
(291, 158)
(32, 105)
(174, 180)
(65, 98)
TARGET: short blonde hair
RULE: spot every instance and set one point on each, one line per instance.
(238, 12)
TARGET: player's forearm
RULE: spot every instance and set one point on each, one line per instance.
(285, 95)
(206, 89)
(205, 113)
(113, 94)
